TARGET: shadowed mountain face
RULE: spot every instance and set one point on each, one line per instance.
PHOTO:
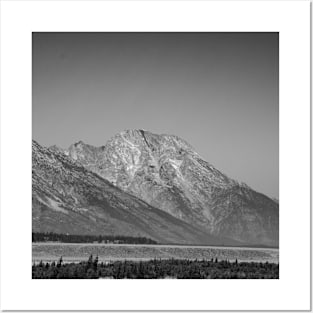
(165, 172)
(69, 198)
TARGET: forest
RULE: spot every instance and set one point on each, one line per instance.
(155, 268)
(66, 238)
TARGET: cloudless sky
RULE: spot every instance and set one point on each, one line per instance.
(218, 91)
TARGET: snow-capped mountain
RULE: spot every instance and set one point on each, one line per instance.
(68, 198)
(168, 174)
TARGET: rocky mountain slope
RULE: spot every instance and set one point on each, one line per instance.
(68, 198)
(166, 172)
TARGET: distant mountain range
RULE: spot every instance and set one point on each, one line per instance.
(144, 184)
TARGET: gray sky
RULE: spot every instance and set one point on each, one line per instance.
(218, 91)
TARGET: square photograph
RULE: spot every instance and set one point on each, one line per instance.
(155, 155)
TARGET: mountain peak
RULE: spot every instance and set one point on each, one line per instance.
(79, 143)
(56, 148)
(135, 133)
(153, 140)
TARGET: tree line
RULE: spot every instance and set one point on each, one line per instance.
(155, 268)
(66, 238)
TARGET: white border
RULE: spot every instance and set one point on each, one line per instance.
(19, 19)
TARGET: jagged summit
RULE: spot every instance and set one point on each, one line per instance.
(137, 137)
(79, 143)
(150, 137)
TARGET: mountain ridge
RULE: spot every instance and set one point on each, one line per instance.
(68, 198)
(167, 173)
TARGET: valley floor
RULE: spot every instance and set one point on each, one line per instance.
(48, 252)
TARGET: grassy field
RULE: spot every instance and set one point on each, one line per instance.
(112, 252)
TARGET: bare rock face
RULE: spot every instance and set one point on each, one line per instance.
(68, 198)
(166, 172)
